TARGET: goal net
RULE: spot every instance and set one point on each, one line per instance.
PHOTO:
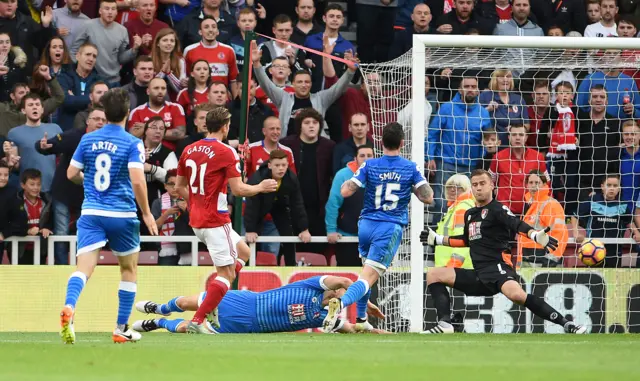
(471, 96)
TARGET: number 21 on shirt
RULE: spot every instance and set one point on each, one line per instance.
(192, 179)
(385, 195)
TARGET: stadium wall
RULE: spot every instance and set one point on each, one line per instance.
(31, 296)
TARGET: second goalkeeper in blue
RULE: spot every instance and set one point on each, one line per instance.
(110, 164)
(388, 182)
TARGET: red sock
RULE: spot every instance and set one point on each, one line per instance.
(239, 265)
(215, 293)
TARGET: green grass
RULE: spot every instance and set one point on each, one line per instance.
(284, 357)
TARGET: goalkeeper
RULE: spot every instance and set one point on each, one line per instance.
(296, 306)
(488, 231)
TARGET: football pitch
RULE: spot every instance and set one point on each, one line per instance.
(300, 356)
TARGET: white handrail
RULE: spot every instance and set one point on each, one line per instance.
(72, 239)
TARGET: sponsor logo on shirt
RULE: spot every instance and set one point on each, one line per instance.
(296, 313)
(219, 69)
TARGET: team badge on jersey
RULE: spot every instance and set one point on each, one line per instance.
(296, 313)
(484, 213)
(221, 55)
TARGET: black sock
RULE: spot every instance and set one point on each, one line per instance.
(544, 310)
(441, 300)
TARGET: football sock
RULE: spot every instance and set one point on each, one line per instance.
(126, 296)
(542, 309)
(76, 283)
(170, 306)
(215, 292)
(441, 300)
(355, 292)
(169, 325)
(239, 265)
(361, 305)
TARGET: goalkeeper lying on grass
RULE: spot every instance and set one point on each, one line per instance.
(296, 306)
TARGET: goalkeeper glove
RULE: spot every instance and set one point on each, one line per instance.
(543, 239)
(431, 238)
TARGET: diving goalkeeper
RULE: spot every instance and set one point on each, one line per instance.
(296, 306)
(489, 228)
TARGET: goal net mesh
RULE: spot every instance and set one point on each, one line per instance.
(522, 87)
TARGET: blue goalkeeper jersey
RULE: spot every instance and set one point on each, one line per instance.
(289, 308)
(105, 156)
(388, 182)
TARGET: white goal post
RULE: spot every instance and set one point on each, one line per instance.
(402, 85)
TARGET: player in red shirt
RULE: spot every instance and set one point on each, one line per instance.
(197, 91)
(171, 113)
(221, 57)
(204, 170)
(259, 151)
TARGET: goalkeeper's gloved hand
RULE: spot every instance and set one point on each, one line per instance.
(431, 238)
(543, 239)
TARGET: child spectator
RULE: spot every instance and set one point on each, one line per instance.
(172, 218)
(593, 11)
(10, 224)
(34, 210)
(562, 136)
(604, 215)
(490, 142)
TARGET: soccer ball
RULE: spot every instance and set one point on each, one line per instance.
(592, 252)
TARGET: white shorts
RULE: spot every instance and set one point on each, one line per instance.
(221, 243)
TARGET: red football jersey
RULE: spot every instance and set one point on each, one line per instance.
(221, 58)
(207, 165)
(184, 100)
(504, 14)
(171, 113)
(262, 97)
(258, 155)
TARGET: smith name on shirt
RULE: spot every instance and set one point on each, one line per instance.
(393, 176)
(204, 149)
(104, 146)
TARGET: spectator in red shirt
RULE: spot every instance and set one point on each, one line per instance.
(172, 114)
(197, 90)
(221, 57)
(146, 26)
(259, 151)
(510, 167)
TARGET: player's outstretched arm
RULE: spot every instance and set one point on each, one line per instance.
(139, 184)
(240, 189)
(348, 188)
(538, 236)
(424, 193)
(431, 238)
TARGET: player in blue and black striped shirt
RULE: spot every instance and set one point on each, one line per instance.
(388, 182)
(296, 306)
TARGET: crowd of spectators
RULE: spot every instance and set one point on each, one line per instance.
(566, 138)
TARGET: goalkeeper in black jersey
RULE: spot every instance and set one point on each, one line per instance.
(489, 229)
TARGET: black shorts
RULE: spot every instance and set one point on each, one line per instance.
(486, 281)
